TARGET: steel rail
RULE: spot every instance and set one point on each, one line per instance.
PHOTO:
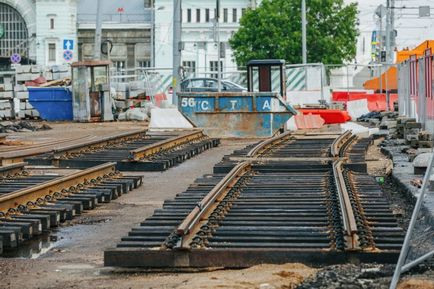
(152, 149)
(347, 212)
(267, 143)
(78, 148)
(339, 143)
(18, 156)
(12, 169)
(38, 145)
(191, 224)
(20, 197)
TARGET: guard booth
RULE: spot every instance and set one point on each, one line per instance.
(267, 75)
(91, 100)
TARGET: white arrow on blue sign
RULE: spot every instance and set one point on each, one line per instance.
(68, 44)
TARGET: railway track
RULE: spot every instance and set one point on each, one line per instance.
(143, 152)
(292, 198)
(33, 203)
(19, 154)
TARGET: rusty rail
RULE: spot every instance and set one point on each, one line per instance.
(20, 197)
(12, 169)
(149, 150)
(191, 224)
(340, 143)
(267, 144)
(347, 212)
(18, 155)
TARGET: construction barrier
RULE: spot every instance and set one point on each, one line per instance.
(415, 89)
(376, 101)
(330, 116)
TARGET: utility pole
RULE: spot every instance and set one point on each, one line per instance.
(389, 44)
(176, 48)
(217, 19)
(152, 36)
(303, 30)
(98, 31)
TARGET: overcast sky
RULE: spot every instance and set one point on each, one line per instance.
(411, 29)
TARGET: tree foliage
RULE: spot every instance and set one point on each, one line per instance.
(273, 31)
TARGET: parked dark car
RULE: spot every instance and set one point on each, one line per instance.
(209, 85)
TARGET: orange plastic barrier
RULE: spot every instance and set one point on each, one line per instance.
(308, 121)
(343, 96)
(376, 101)
(330, 116)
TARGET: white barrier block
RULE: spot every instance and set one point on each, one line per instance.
(357, 108)
(358, 129)
(168, 118)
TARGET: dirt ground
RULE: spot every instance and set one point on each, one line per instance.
(378, 164)
(75, 260)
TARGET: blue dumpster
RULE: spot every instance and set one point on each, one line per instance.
(235, 114)
(52, 103)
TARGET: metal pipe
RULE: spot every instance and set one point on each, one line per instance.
(406, 245)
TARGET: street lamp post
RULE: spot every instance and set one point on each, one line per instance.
(303, 31)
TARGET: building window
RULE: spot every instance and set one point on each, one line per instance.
(189, 66)
(51, 23)
(207, 15)
(225, 15)
(188, 15)
(213, 67)
(119, 65)
(144, 63)
(198, 15)
(234, 15)
(52, 52)
(243, 11)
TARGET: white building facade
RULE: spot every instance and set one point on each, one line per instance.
(199, 34)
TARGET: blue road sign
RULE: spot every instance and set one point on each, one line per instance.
(68, 55)
(68, 44)
(15, 58)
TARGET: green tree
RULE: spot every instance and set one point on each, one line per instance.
(273, 30)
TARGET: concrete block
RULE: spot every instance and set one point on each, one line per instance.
(135, 93)
(137, 85)
(24, 77)
(36, 69)
(22, 95)
(6, 87)
(5, 104)
(21, 114)
(120, 86)
(121, 95)
(60, 68)
(20, 87)
(121, 104)
(22, 105)
(28, 105)
(48, 75)
(35, 113)
(6, 95)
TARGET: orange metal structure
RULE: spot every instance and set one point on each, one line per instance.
(389, 79)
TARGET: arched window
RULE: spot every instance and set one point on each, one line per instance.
(13, 31)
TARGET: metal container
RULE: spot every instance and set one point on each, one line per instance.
(236, 114)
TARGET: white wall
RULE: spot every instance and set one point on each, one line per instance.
(199, 44)
(64, 13)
